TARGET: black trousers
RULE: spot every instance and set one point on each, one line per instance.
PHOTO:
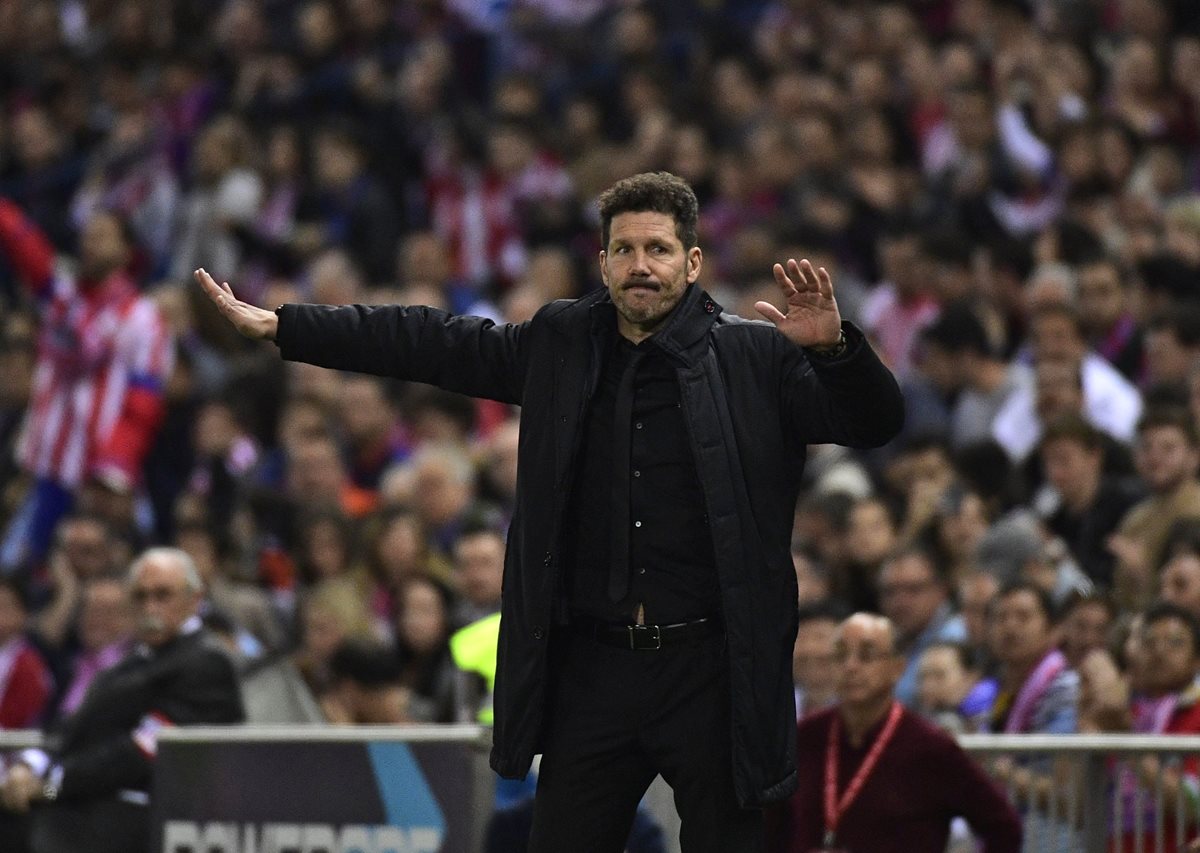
(616, 719)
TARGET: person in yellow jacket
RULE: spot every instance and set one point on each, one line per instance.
(474, 651)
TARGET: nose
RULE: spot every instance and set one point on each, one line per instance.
(640, 264)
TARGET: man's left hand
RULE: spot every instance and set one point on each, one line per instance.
(20, 788)
(812, 318)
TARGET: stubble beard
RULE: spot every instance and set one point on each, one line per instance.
(648, 314)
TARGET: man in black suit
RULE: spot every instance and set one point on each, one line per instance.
(649, 593)
(88, 791)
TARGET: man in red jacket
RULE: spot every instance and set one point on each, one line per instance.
(104, 354)
(876, 778)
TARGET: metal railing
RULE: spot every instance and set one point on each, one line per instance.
(1089, 794)
(1093, 793)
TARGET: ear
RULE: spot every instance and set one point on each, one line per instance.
(604, 267)
(695, 260)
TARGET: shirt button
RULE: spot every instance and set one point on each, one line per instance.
(638, 425)
(637, 524)
(641, 571)
(637, 473)
(538, 633)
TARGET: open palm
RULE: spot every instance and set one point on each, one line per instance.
(812, 318)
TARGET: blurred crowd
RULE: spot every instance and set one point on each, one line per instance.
(1007, 193)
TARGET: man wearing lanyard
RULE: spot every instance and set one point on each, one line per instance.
(879, 778)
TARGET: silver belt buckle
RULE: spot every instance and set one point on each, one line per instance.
(653, 631)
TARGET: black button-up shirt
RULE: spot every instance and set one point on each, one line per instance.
(671, 562)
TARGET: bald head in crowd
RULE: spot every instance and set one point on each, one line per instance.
(870, 665)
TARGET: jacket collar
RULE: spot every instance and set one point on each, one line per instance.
(683, 333)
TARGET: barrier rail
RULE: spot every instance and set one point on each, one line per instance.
(1098, 792)
(1092, 785)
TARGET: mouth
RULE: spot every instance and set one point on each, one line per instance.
(641, 286)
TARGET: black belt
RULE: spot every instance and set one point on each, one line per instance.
(645, 637)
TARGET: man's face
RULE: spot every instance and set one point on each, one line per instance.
(868, 664)
(1179, 582)
(1058, 388)
(1101, 298)
(162, 601)
(909, 593)
(814, 668)
(84, 542)
(1020, 631)
(872, 534)
(1164, 458)
(1083, 629)
(1054, 337)
(104, 617)
(975, 596)
(942, 682)
(102, 246)
(479, 567)
(1170, 656)
(1070, 466)
(646, 269)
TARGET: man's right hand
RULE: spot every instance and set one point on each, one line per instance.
(256, 323)
(19, 788)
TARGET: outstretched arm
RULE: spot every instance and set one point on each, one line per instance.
(468, 355)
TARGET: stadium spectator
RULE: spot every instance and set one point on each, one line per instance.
(92, 783)
(478, 573)
(1179, 579)
(1172, 346)
(871, 536)
(105, 630)
(1169, 703)
(422, 640)
(985, 380)
(1086, 505)
(950, 691)
(1112, 329)
(914, 594)
(1037, 689)
(975, 593)
(1104, 396)
(901, 305)
(366, 687)
(247, 605)
(371, 429)
(875, 776)
(814, 670)
(1167, 455)
(1038, 693)
(104, 355)
(26, 685)
(1086, 625)
(329, 614)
